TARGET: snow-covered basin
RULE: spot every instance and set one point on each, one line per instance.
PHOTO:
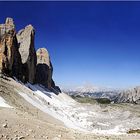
(84, 117)
(3, 103)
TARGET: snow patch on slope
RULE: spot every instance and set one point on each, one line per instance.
(3, 103)
(74, 115)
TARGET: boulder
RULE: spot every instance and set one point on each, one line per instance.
(7, 46)
(27, 51)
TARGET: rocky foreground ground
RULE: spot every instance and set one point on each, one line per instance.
(24, 121)
(16, 124)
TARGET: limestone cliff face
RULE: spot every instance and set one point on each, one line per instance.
(44, 68)
(18, 56)
(27, 51)
(7, 45)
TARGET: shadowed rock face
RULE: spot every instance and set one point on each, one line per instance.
(44, 68)
(42, 75)
(25, 39)
(17, 65)
(17, 52)
(8, 44)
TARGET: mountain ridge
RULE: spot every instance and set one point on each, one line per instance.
(18, 57)
(131, 95)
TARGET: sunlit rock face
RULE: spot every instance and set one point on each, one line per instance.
(44, 68)
(129, 96)
(8, 43)
(43, 57)
(27, 51)
(18, 57)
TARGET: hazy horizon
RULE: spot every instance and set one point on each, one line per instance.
(89, 42)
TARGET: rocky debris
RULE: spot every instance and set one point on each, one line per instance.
(1, 136)
(27, 51)
(18, 137)
(129, 96)
(5, 125)
(45, 137)
(21, 137)
(6, 137)
(30, 130)
(7, 46)
(56, 138)
(60, 136)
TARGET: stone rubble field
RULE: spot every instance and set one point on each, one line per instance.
(30, 112)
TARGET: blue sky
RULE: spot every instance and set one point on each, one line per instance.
(89, 42)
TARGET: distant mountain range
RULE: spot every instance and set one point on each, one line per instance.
(94, 92)
(129, 96)
(115, 95)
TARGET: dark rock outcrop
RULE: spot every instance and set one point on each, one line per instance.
(56, 88)
(27, 51)
(17, 64)
(44, 68)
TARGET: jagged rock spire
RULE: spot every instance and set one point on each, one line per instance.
(18, 56)
(9, 23)
(27, 51)
(7, 44)
(44, 68)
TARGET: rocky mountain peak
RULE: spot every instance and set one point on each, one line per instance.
(9, 21)
(44, 67)
(19, 58)
(8, 26)
(43, 56)
(7, 45)
(25, 38)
